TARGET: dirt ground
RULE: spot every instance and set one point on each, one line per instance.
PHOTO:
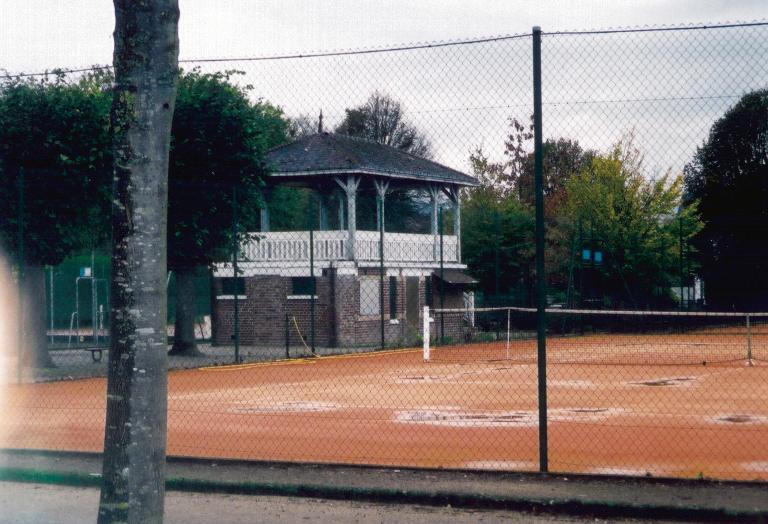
(391, 408)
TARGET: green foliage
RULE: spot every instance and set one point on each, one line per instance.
(562, 159)
(728, 177)
(202, 281)
(64, 275)
(504, 177)
(511, 179)
(513, 176)
(289, 208)
(634, 221)
(497, 239)
(64, 296)
(485, 337)
(219, 139)
(56, 133)
(296, 209)
(407, 211)
(604, 202)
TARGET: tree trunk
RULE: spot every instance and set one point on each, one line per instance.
(35, 342)
(184, 330)
(146, 73)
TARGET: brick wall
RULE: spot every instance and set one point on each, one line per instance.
(366, 329)
(346, 307)
(263, 313)
(338, 322)
(455, 328)
(299, 309)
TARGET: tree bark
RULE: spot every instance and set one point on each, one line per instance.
(35, 320)
(146, 73)
(184, 330)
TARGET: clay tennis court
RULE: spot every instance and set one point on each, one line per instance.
(391, 408)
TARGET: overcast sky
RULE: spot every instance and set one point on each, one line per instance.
(40, 34)
(667, 87)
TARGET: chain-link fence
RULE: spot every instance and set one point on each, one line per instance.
(369, 296)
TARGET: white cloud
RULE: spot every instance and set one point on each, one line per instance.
(39, 34)
(668, 87)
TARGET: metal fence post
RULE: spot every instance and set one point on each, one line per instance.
(234, 274)
(312, 212)
(541, 290)
(94, 301)
(425, 333)
(51, 323)
(682, 278)
(381, 267)
(287, 337)
(442, 276)
(20, 255)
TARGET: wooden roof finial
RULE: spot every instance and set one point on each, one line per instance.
(320, 122)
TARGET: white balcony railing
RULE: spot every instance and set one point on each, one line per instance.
(293, 246)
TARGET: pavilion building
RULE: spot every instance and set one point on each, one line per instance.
(274, 286)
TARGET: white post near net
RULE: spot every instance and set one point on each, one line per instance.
(425, 333)
(749, 342)
(508, 314)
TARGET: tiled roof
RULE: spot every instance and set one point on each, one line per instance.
(329, 154)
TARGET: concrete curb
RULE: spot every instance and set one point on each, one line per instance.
(563, 506)
(585, 477)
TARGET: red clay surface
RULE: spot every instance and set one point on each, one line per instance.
(391, 408)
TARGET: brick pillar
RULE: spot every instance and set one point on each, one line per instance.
(346, 306)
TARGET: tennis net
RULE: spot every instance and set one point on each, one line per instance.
(596, 336)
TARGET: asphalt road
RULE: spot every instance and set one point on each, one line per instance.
(22, 503)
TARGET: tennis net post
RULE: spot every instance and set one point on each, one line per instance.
(425, 332)
(749, 342)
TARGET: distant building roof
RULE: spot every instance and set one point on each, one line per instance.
(329, 154)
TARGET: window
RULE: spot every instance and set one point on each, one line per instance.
(302, 286)
(233, 286)
(392, 297)
(369, 296)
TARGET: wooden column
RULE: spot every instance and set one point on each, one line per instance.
(434, 193)
(454, 194)
(457, 223)
(264, 212)
(323, 220)
(349, 186)
(381, 191)
(341, 213)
